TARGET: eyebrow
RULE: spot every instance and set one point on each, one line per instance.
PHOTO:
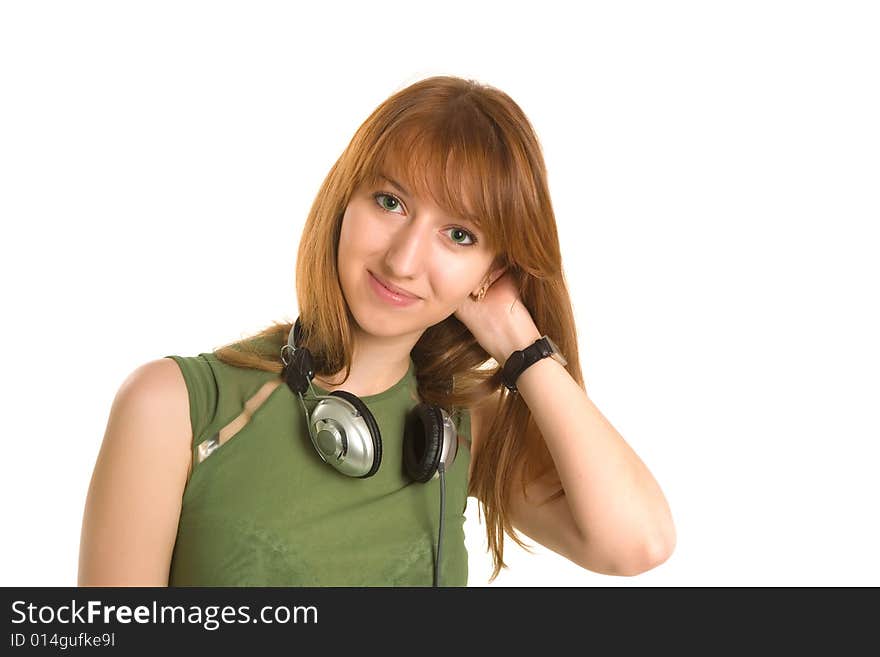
(396, 184)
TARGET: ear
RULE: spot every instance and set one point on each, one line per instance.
(497, 273)
(499, 266)
(493, 276)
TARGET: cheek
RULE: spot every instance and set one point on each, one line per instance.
(349, 244)
(360, 234)
(453, 283)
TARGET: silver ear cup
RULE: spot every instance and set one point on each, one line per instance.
(341, 436)
(449, 448)
(450, 442)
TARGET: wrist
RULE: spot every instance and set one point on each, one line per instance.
(522, 360)
(516, 342)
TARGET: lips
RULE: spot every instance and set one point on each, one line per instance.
(394, 288)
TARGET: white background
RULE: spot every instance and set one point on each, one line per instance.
(714, 170)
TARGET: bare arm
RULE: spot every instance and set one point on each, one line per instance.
(613, 499)
(133, 504)
(620, 508)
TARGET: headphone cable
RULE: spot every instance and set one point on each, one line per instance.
(442, 470)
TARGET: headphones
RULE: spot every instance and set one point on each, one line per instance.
(346, 435)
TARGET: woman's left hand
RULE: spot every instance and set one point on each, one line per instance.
(500, 322)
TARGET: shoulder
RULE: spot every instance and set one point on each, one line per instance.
(156, 390)
(148, 434)
(158, 381)
(154, 401)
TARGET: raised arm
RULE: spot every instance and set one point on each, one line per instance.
(613, 517)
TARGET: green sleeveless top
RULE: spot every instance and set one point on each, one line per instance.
(263, 509)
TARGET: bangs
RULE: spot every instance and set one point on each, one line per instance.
(451, 165)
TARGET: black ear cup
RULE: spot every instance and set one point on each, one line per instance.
(422, 442)
(297, 332)
(372, 426)
(300, 371)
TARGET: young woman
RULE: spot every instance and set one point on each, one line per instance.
(430, 253)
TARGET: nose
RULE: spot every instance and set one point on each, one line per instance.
(410, 247)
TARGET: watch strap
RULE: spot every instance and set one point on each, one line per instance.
(522, 359)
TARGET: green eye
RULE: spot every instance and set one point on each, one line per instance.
(394, 200)
(384, 198)
(464, 233)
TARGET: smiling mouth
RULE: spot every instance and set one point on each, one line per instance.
(405, 295)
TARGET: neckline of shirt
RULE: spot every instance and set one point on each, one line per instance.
(404, 381)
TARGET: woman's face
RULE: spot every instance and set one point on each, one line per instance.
(410, 243)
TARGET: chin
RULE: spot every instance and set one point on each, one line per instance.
(372, 321)
(380, 325)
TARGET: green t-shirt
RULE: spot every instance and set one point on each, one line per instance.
(263, 509)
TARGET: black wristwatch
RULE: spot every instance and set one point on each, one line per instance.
(521, 359)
